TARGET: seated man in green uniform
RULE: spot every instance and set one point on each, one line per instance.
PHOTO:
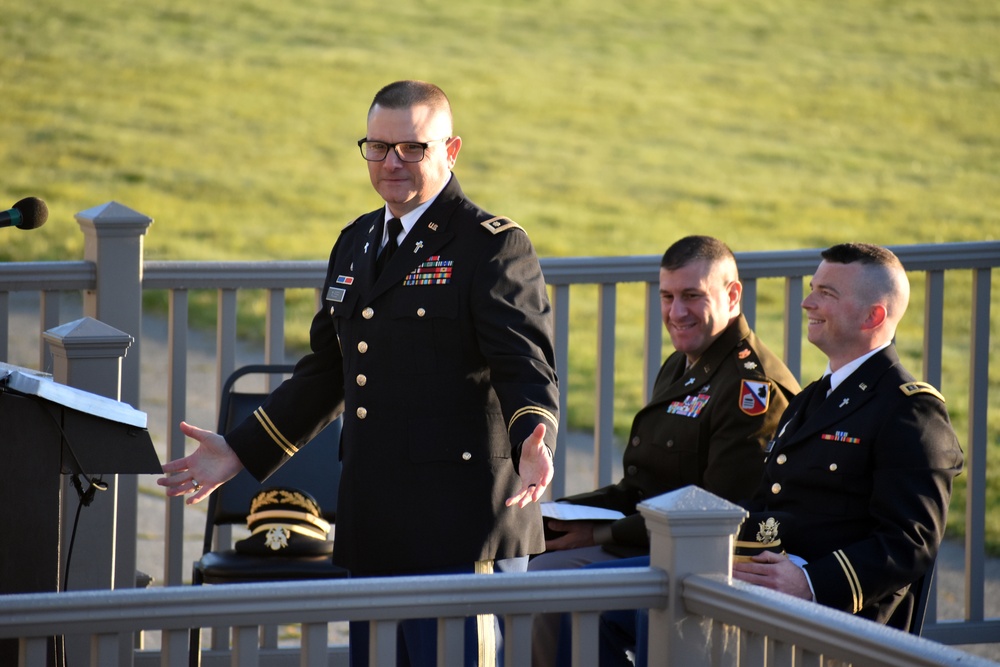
(715, 405)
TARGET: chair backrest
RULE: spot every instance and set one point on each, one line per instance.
(315, 468)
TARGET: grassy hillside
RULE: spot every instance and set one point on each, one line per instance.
(603, 128)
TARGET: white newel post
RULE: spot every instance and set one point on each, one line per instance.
(691, 532)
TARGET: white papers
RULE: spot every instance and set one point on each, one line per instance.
(42, 385)
(570, 512)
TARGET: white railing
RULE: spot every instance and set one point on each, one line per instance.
(697, 616)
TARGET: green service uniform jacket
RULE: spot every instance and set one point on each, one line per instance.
(707, 426)
(867, 479)
(442, 366)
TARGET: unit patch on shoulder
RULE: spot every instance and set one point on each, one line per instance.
(500, 224)
(911, 388)
(754, 397)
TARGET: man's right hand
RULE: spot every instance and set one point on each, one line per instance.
(578, 534)
(203, 471)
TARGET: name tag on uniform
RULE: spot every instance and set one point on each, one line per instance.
(336, 294)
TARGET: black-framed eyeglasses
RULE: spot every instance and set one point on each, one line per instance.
(406, 151)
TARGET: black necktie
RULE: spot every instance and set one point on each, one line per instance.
(395, 227)
(817, 397)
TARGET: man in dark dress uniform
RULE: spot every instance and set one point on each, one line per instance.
(438, 351)
(866, 467)
(715, 405)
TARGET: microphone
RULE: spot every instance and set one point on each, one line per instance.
(29, 213)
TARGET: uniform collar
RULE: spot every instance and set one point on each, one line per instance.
(842, 373)
(409, 219)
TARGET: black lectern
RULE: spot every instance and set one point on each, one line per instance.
(48, 430)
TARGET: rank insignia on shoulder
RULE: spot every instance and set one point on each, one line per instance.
(911, 388)
(499, 224)
(754, 397)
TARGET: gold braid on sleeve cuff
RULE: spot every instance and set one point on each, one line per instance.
(532, 410)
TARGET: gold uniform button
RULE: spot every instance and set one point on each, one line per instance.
(362, 380)
(632, 470)
(362, 347)
(635, 441)
(421, 312)
(776, 488)
(362, 413)
(670, 443)
(466, 456)
(368, 313)
(781, 459)
(833, 467)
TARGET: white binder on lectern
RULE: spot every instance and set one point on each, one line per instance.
(36, 383)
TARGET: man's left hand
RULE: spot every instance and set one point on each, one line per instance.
(774, 571)
(535, 469)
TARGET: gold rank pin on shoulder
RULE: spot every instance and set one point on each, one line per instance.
(500, 224)
(911, 388)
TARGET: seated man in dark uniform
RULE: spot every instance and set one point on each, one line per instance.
(864, 458)
(715, 405)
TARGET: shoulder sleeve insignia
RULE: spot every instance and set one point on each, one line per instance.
(754, 397)
(911, 388)
(500, 224)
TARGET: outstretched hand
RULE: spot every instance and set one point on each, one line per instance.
(535, 469)
(203, 471)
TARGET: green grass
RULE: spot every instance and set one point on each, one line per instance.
(603, 128)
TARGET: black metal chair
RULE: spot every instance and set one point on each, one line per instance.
(923, 589)
(314, 469)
